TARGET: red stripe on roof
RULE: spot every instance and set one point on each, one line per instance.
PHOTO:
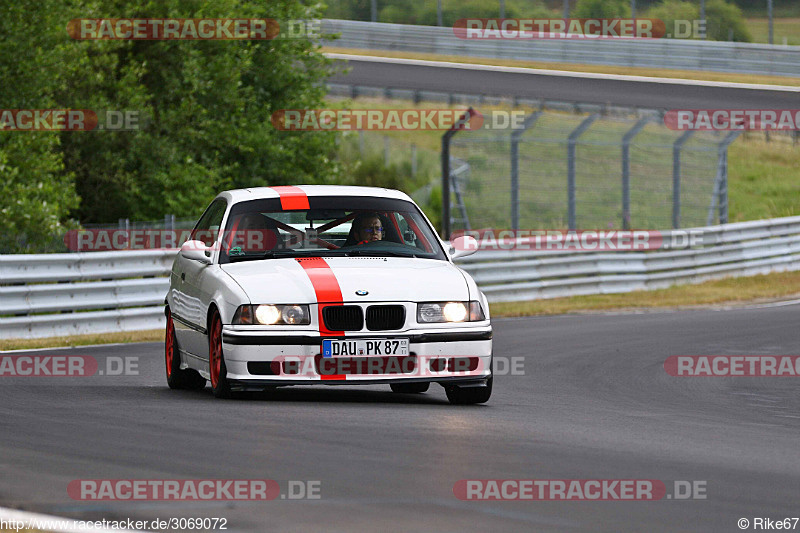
(291, 197)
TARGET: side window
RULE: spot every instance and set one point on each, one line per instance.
(207, 227)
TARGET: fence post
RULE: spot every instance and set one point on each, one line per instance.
(676, 178)
(626, 170)
(571, 149)
(446, 170)
(723, 182)
(515, 136)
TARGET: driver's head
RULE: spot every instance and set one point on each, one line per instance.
(368, 227)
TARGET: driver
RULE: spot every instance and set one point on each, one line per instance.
(369, 228)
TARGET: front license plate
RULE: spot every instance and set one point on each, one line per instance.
(364, 347)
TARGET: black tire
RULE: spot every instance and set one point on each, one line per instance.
(410, 388)
(216, 359)
(178, 378)
(468, 395)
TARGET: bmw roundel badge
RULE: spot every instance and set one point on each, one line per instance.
(362, 292)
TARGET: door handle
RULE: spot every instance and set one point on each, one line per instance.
(183, 276)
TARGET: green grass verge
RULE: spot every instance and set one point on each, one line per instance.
(787, 29)
(83, 340)
(782, 285)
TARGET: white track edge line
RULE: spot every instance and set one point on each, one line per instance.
(564, 73)
(79, 347)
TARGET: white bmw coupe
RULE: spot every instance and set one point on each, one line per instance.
(300, 285)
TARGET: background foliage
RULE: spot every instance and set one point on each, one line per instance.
(205, 108)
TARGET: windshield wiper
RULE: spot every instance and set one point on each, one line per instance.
(266, 255)
(379, 253)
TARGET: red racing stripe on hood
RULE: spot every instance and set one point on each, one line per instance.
(328, 292)
(291, 197)
(326, 288)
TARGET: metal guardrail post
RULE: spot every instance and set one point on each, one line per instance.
(626, 170)
(515, 136)
(446, 171)
(571, 150)
(676, 178)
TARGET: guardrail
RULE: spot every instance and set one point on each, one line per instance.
(656, 53)
(72, 294)
(738, 249)
(98, 292)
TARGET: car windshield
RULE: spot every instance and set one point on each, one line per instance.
(331, 226)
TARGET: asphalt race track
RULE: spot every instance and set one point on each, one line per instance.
(561, 88)
(594, 403)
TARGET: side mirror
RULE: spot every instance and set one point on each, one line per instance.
(463, 246)
(196, 251)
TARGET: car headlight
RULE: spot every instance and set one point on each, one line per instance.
(450, 312)
(268, 315)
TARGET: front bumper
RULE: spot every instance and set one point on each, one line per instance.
(260, 358)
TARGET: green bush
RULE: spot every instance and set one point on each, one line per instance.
(723, 20)
(669, 11)
(593, 9)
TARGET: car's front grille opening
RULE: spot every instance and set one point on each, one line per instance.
(455, 364)
(462, 364)
(393, 364)
(343, 318)
(438, 365)
(264, 368)
(385, 317)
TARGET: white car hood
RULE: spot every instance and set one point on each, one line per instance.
(384, 278)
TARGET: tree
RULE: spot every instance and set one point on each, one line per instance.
(205, 110)
(207, 106)
(36, 192)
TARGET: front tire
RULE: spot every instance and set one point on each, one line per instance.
(469, 395)
(178, 378)
(216, 359)
(409, 388)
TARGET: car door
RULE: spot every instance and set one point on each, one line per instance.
(189, 305)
